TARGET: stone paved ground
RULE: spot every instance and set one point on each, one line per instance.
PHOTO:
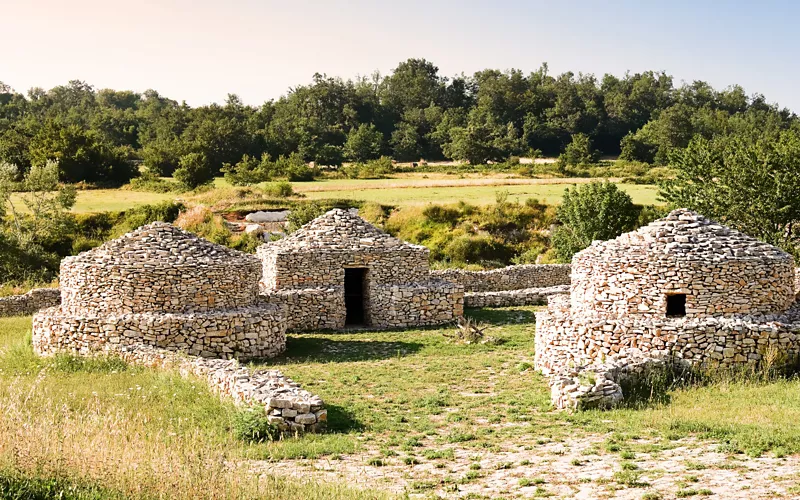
(578, 468)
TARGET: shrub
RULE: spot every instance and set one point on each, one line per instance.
(442, 214)
(281, 189)
(303, 214)
(375, 169)
(253, 426)
(475, 248)
(595, 211)
(194, 170)
(150, 182)
(578, 152)
(247, 171)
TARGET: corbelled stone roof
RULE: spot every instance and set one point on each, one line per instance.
(339, 230)
(163, 245)
(684, 234)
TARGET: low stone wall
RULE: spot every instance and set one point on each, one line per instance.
(288, 407)
(564, 340)
(29, 303)
(252, 332)
(433, 302)
(390, 306)
(508, 278)
(311, 308)
(511, 298)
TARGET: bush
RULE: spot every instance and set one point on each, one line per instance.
(252, 426)
(303, 214)
(281, 189)
(596, 211)
(376, 169)
(578, 152)
(150, 182)
(442, 214)
(194, 170)
(475, 248)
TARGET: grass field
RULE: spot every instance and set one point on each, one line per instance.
(113, 200)
(477, 193)
(404, 189)
(410, 407)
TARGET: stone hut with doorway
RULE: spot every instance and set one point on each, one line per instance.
(682, 287)
(340, 271)
(164, 288)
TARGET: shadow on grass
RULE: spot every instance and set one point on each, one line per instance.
(505, 316)
(341, 420)
(318, 349)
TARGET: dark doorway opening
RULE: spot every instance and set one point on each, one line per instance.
(354, 285)
(676, 305)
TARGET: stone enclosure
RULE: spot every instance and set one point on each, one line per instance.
(683, 289)
(340, 270)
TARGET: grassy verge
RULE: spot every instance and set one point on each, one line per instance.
(395, 398)
(138, 432)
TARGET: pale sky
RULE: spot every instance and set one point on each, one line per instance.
(200, 51)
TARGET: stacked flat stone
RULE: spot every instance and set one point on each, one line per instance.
(306, 271)
(739, 299)
(512, 298)
(30, 302)
(524, 285)
(508, 278)
(164, 287)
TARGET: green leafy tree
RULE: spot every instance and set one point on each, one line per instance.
(579, 152)
(747, 181)
(32, 221)
(595, 211)
(194, 170)
(363, 143)
(81, 155)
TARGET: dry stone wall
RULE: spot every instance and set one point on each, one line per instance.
(738, 306)
(307, 271)
(29, 303)
(508, 278)
(163, 287)
(511, 298)
(721, 271)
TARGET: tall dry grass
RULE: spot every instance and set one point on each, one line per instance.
(75, 421)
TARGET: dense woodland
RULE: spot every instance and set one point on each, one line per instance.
(99, 136)
(733, 157)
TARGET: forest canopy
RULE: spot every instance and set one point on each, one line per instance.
(100, 136)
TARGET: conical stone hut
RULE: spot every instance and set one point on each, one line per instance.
(339, 270)
(684, 287)
(166, 288)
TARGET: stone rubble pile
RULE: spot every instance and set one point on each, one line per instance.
(737, 301)
(30, 302)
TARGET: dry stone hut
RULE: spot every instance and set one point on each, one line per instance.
(340, 270)
(160, 286)
(683, 287)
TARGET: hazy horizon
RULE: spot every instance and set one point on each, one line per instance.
(201, 51)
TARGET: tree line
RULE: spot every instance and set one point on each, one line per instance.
(102, 136)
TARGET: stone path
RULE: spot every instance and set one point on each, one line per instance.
(571, 469)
